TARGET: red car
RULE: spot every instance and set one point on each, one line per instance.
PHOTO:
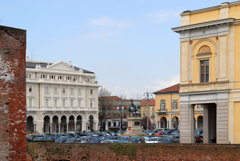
(158, 133)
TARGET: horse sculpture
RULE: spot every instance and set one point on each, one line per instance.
(133, 108)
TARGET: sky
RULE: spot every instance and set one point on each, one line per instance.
(128, 44)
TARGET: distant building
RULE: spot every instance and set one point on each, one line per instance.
(168, 109)
(60, 97)
(148, 111)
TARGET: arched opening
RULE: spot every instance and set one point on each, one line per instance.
(200, 122)
(175, 122)
(90, 127)
(46, 127)
(114, 124)
(79, 123)
(109, 124)
(71, 123)
(63, 124)
(163, 122)
(204, 49)
(30, 125)
(55, 124)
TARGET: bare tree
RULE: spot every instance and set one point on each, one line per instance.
(105, 103)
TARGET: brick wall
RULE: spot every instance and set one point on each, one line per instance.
(112, 152)
(12, 94)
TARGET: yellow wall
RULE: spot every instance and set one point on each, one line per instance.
(234, 12)
(236, 122)
(205, 16)
(237, 57)
(169, 99)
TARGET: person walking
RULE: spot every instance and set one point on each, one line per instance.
(198, 139)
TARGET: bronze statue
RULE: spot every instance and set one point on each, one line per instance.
(133, 108)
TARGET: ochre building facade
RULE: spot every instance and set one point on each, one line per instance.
(210, 72)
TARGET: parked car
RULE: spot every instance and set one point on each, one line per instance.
(159, 133)
(95, 140)
(175, 132)
(136, 140)
(124, 139)
(111, 141)
(166, 140)
(167, 132)
(153, 140)
(112, 133)
(62, 139)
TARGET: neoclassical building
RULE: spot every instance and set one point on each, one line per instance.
(60, 97)
(210, 72)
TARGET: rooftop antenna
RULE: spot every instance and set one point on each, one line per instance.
(32, 54)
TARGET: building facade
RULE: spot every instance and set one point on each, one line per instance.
(60, 97)
(148, 110)
(209, 72)
(168, 109)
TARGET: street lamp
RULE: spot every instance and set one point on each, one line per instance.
(148, 97)
(120, 112)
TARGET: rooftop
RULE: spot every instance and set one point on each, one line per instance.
(174, 88)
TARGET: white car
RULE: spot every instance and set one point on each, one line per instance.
(153, 140)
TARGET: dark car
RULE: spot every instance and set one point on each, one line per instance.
(62, 139)
(167, 132)
(112, 133)
(95, 140)
(124, 139)
(175, 132)
(72, 140)
(136, 140)
(166, 140)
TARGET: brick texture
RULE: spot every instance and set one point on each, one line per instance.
(12, 94)
(140, 152)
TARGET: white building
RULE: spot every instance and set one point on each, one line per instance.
(60, 97)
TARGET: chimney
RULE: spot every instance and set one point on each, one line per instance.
(69, 62)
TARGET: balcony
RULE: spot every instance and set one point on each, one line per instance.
(162, 110)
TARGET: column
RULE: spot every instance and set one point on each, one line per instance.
(34, 127)
(186, 123)
(59, 127)
(51, 95)
(206, 138)
(84, 99)
(167, 124)
(222, 122)
(196, 124)
(170, 121)
(68, 96)
(84, 125)
(75, 126)
(67, 126)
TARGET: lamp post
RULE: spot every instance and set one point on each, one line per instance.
(148, 97)
(120, 112)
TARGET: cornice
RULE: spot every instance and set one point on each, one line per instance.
(203, 25)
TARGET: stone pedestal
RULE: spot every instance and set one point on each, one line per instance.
(135, 124)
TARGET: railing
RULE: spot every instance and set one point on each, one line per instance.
(60, 81)
(162, 110)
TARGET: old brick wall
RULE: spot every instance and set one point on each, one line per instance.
(12, 94)
(141, 152)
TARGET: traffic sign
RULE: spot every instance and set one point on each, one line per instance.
(129, 128)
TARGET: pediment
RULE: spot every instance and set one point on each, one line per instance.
(61, 66)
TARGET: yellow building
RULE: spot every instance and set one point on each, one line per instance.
(168, 109)
(210, 72)
(148, 110)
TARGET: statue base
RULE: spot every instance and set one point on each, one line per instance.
(135, 124)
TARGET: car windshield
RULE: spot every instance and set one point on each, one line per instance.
(152, 139)
(83, 139)
(95, 139)
(175, 132)
(166, 139)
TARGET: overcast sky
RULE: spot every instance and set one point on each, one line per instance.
(129, 44)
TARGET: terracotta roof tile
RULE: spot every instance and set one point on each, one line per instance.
(151, 103)
(174, 88)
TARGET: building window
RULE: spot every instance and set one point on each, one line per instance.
(174, 105)
(205, 71)
(71, 103)
(29, 76)
(30, 102)
(55, 102)
(162, 105)
(144, 109)
(26, 75)
(91, 103)
(199, 106)
(144, 114)
(63, 103)
(148, 108)
(55, 90)
(79, 91)
(152, 114)
(153, 109)
(74, 78)
(63, 90)
(79, 103)
(47, 90)
(47, 102)
(71, 91)
(91, 91)
(30, 89)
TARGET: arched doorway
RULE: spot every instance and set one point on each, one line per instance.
(200, 122)
(79, 123)
(175, 122)
(163, 122)
(30, 125)
(104, 126)
(71, 123)
(46, 123)
(55, 124)
(114, 124)
(90, 126)
(109, 125)
(63, 127)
